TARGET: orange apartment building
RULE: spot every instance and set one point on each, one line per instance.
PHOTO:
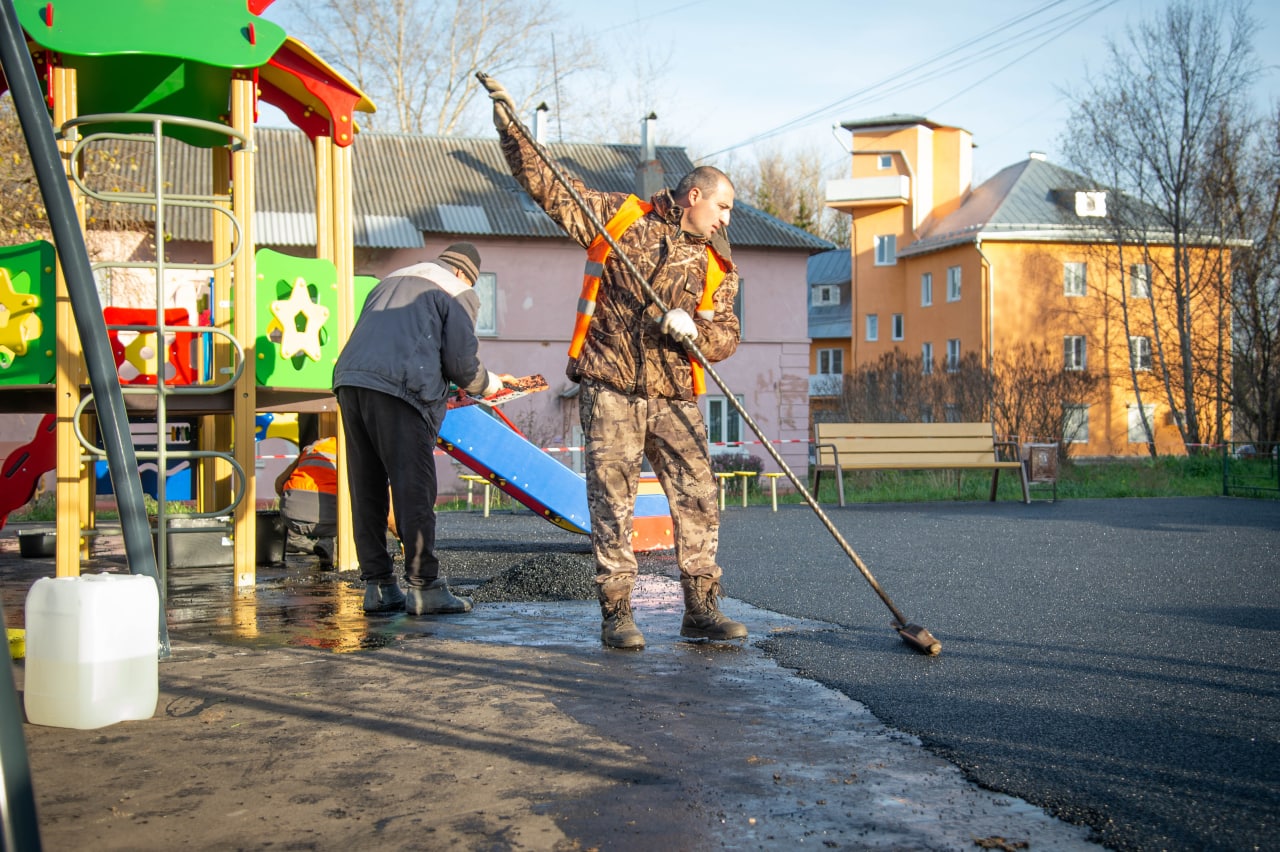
(941, 269)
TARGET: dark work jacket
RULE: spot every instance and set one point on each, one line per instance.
(415, 335)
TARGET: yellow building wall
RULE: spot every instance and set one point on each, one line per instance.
(1030, 306)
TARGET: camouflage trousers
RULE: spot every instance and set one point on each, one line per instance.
(619, 432)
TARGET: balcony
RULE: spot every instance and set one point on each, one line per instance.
(826, 384)
(848, 194)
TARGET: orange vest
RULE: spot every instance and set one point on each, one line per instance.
(598, 252)
(317, 468)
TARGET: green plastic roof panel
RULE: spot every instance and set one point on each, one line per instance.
(173, 57)
(214, 32)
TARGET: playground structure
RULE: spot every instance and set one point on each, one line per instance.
(153, 76)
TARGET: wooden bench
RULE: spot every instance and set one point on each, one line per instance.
(841, 447)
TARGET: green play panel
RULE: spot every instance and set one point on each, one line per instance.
(297, 306)
(28, 333)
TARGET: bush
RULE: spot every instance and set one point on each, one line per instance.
(734, 462)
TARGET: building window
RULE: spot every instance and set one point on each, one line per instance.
(898, 327)
(873, 326)
(1075, 424)
(1073, 278)
(951, 413)
(831, 362)
(953, 354)
(885, 161)
(1140, 281)
(738, 308)
(486, 288)
(926, 289)
(886, 250)
(1139, 353)
(926, 358)
(1138, 432)
(724, 424)
(953, 284)
(1073, 355)
(826, 294)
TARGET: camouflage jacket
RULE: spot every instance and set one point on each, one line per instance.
(624, 348)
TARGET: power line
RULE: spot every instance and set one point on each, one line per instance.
(959, 56)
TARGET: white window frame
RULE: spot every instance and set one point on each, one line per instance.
(1075, 423)
(926, 359)
(886, 249)
(953, 283)
(825, 294)
(1074, 353)
(1140, 353)
(1136, 434)
(831, 362)
(926, 289)
(724, 425)
(898, 329)
(953, 354)
(486, 288)
(1140, 281)
(884, 161)
(873, 326)
(1075, 279)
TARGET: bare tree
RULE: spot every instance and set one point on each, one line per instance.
(1022, 393)
(1030, 388)
(1244, 194)
(791, 186)
(417, 59)
(105, 167)
(1145, 128)
(22, 216)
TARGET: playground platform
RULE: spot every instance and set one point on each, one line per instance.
(287, 718)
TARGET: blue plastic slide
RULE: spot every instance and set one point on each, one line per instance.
(529, 475)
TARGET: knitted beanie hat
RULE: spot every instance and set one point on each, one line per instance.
(464, 258)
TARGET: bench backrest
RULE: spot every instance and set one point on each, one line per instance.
(907, 444)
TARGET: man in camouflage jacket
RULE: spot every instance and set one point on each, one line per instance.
(637, 396)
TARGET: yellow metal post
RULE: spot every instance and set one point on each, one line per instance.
(70, 472)
(243, 273)
(343, 242)
(215, 429)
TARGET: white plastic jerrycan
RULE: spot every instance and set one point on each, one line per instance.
(92, 650)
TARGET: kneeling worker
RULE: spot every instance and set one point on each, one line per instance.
(308, 490)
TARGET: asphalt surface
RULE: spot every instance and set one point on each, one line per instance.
(1113, 661)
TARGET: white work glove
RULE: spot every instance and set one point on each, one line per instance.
(495, 385)
(677, 323)
(504, 109)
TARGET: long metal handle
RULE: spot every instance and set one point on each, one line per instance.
(693, 350)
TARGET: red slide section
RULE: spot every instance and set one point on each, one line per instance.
(25, 465)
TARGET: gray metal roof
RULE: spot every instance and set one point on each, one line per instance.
(405, 185)
(831, 267)
(1028, 201)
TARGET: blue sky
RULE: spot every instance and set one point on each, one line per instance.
(732, 71)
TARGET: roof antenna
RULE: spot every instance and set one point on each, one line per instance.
(555, 76)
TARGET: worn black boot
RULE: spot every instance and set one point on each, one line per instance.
(702, 616)
(617, 627)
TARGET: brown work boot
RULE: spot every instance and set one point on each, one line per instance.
(435, 598)
(702, 616)
(617, 627)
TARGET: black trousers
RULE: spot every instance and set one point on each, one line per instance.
(387, 440)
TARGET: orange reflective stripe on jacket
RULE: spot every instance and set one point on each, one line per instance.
(317, 468)
(598, 252)
(715, 274)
